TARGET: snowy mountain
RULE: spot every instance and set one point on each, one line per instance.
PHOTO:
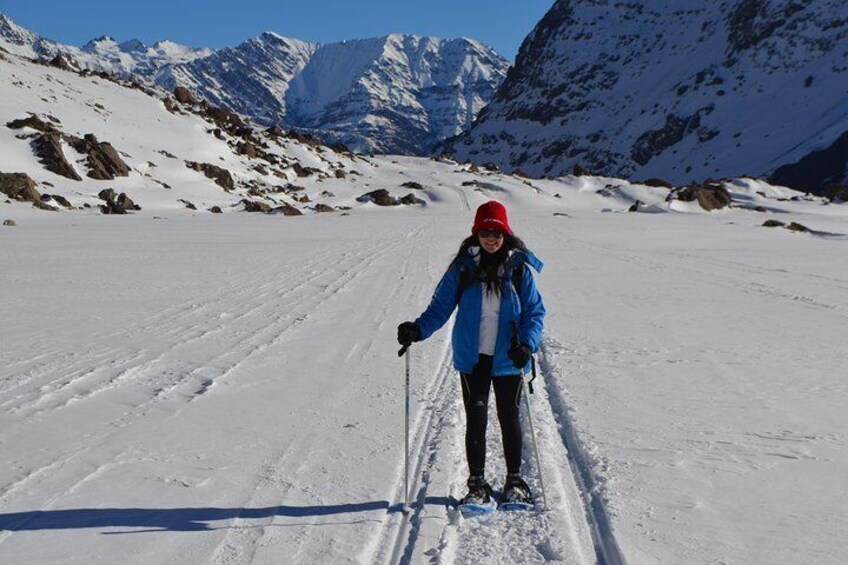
(395, 94)
(124, 59)
(677, 90)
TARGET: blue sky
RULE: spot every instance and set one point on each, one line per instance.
(501, 24)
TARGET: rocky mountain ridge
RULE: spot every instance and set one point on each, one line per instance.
(679, 90)
(393, 94)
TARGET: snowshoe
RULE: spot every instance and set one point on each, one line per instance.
(478, 501)
(516, 495)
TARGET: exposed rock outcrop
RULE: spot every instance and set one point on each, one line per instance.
(65, 62)
(709, 196)
(253, 206)
(222, 177)
(379, 197)
(33, 122)
(19, 186)
(411, 200)
(287, 210)
(184, 95)
(120, 205)
(48, 149)
(103, 160)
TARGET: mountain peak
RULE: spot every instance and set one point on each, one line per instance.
(132, 45)
(13, 32)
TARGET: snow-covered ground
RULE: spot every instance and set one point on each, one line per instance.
(183, 387)
(226, 389)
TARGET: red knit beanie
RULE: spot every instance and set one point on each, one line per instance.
(491, 216)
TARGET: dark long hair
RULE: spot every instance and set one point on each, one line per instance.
(490, 262)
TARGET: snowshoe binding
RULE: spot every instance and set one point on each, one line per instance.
(478, 501)
(516, 494)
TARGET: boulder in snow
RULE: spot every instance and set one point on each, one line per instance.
(287, 210)
(253, 206)
(379, 197)
(19, 186)
(122, 204)
(64, 62)
(184, 95)
(411, 200)
(710, 196)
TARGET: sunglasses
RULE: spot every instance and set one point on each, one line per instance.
(490, 234)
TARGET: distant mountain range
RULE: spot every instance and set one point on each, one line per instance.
(675, 89)
(393, 94)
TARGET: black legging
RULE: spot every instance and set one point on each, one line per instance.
(475, 396)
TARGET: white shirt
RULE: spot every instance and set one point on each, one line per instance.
(489, 314)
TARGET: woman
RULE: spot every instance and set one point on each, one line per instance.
(498, 327)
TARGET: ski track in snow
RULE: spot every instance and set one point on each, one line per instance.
(434, 532)
(161, 372)
(168, 371)
(241, 541)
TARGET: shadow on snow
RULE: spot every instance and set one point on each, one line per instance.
(178, 519)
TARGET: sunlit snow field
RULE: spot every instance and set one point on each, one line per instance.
(226, 389)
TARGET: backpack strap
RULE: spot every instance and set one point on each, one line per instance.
(467, 275)
(516, 276)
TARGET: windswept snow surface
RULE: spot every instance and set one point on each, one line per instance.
(180, 387)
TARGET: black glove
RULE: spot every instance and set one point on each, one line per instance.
(520, 355)
(408, 332)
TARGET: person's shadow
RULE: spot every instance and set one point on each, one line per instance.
(177, 519)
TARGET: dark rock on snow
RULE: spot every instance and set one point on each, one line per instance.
(184, 95)
(379, 197)
(709, 196)
(33, 122)
(120, 205)
(222, 177)
(287, 210)
(103, 160)
(19, 186)
(48, 149)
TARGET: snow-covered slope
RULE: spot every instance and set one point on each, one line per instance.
(673, 89)
(392, 94)
(157, 145)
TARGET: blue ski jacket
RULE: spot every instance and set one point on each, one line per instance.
(522, 305)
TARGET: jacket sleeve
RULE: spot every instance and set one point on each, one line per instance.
(442, 304)
(531, 322)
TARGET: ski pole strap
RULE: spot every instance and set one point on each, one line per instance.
(533, 378)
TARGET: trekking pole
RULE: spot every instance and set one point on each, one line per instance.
(405, 351)
(524, 387)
